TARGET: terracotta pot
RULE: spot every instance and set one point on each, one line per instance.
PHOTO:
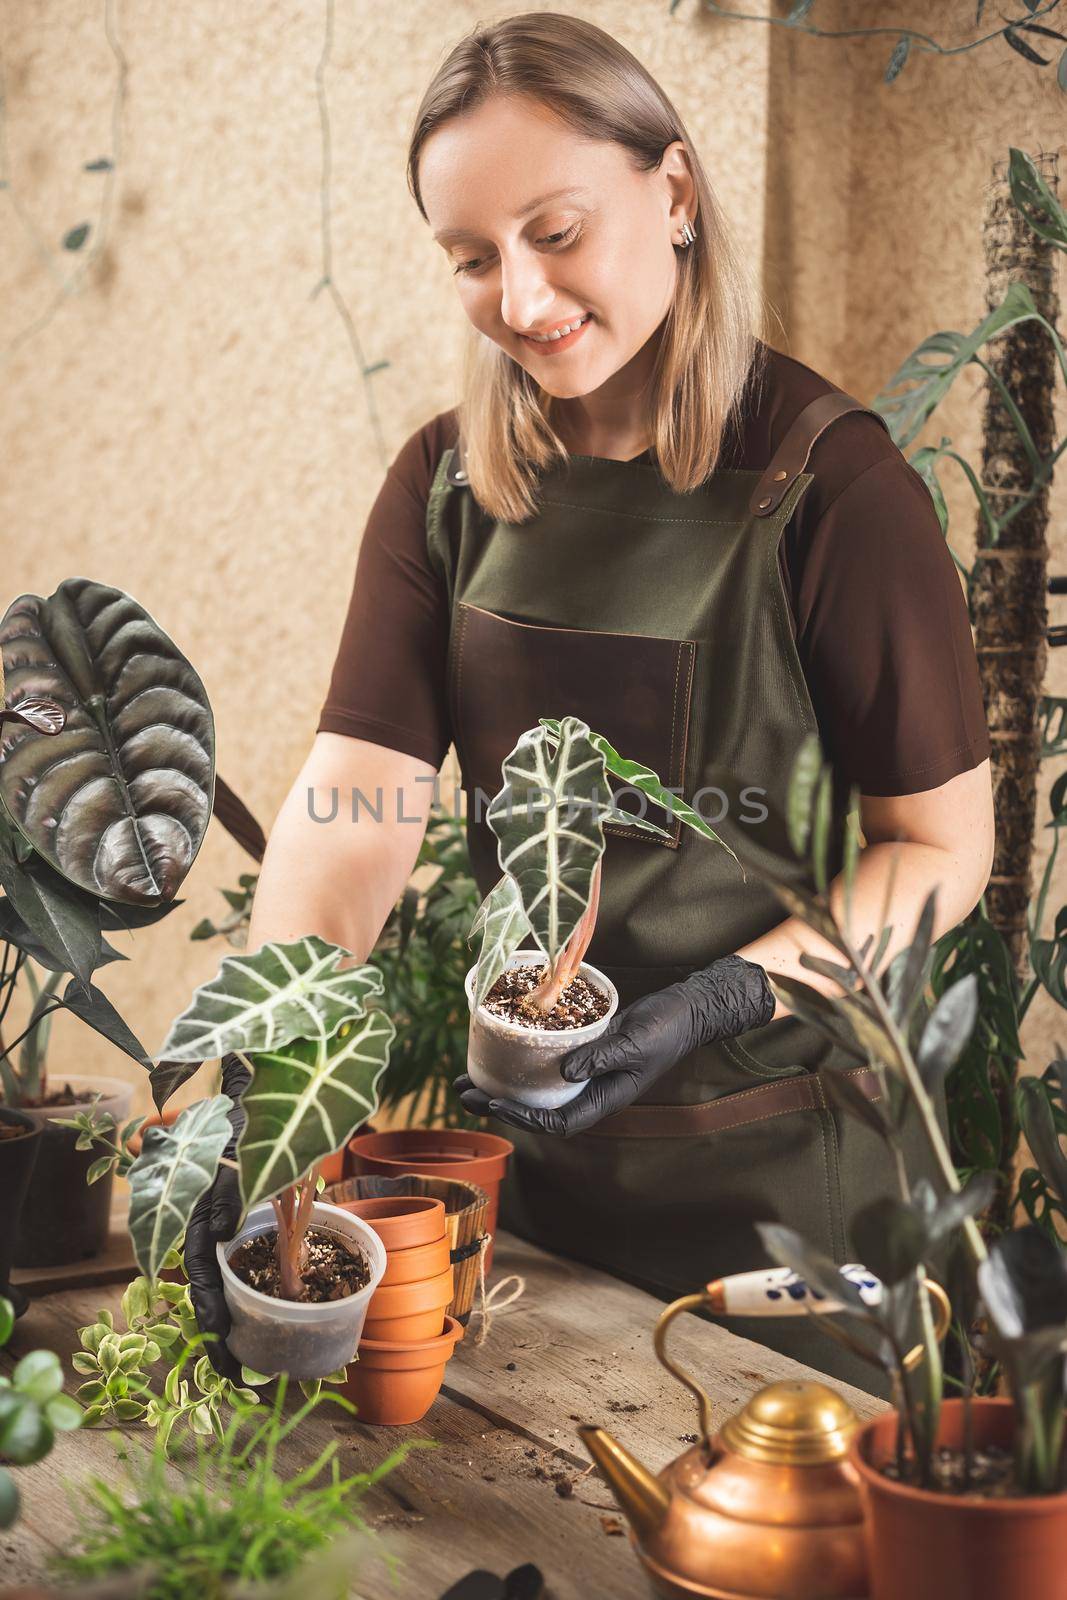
(155, 1119)
(397, 1381)
(403, 1222)
(466, 1209)
(473, 1156)
(408, 1311)
(929, 1546)
(421, 1261)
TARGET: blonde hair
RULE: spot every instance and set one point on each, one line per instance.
(711, 336)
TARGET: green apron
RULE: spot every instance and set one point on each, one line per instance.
(660, 619)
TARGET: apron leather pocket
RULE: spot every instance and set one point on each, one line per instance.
(634, 688)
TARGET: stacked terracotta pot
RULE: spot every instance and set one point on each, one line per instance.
(408, 1336)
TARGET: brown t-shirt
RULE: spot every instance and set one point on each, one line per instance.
(878, 612)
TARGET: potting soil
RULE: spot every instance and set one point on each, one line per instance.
(578, 1004)
(331, 1270)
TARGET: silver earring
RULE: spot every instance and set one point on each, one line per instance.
(688, 234)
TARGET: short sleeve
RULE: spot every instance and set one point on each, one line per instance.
(388, 682)
(885, 639)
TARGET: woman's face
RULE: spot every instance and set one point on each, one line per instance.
(524, 264)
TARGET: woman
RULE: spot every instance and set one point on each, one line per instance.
(707, 551)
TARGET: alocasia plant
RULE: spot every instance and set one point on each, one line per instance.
(549, 819)
(316, 1047)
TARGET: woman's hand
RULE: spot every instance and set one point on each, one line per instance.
(214, 1219)
(640, 1044)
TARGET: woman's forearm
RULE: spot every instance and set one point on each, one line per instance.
(919, 868)
(333, 867)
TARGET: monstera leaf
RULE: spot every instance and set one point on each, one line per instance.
(305, 1101)
(549, 820)
(175, 1167)
(119, 799)
(261, 1002)
(506, 925)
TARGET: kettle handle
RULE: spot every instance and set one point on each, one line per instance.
(705, 1302)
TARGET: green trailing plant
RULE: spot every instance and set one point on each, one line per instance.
(983, 1098)
(549, 820)
(1020, 1278)
(234, 927)
(33, 1409)
(237, 1519)
(1022, 34)
(316, 1045)
(96, 698)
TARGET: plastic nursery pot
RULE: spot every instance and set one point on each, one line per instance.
(18, 1153)
(303, 1339)
(516, 1063)
(468, 1154)
(397, 1381)
(928, 1545)
(410, 1311)
(466, 1208)
(403, 1222)
(64, 1219)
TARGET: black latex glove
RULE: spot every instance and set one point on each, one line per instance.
(641, 1043)
(214, 1219)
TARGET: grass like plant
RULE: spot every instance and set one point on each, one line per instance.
(236, 1518)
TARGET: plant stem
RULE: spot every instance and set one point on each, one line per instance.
(548, 991)
(910, 1073)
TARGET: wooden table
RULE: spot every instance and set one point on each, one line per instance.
(509, 1481)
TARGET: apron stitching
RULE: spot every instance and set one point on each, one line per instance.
(829, 1129)
(775, 578)
(459, 670)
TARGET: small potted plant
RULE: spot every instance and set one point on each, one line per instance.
(106, 789)
(962, 1496)
(531, 1004)
(298, 1275)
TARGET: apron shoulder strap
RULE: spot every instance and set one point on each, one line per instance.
(791, 456)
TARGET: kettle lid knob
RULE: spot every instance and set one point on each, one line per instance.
(795, 1423)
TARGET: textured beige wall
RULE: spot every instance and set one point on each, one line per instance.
(192, 423)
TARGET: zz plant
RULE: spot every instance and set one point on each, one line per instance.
(316, 1045)
(1019, 1278)
(549, 820)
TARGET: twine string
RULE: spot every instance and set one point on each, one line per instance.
(493, 1302)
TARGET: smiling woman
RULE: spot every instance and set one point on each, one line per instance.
(706, 551)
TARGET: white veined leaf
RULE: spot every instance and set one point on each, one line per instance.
(506, 925)
(176, 1165)
(549, 821)
(640, 777)
(306, 1100)
(261, 1002)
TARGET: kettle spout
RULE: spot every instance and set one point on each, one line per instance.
(641, 1497)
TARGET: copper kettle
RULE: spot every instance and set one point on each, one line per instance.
(769, 1507)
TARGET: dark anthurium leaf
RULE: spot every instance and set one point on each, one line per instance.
(1024, 1286)
(119, 801)
(56, 914)
(1039, 1126)
(121, 918)
(890, 1238)
(44, 716)
(16, 932)
(97, 1010)
(947, 1030)
(166, 1076)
